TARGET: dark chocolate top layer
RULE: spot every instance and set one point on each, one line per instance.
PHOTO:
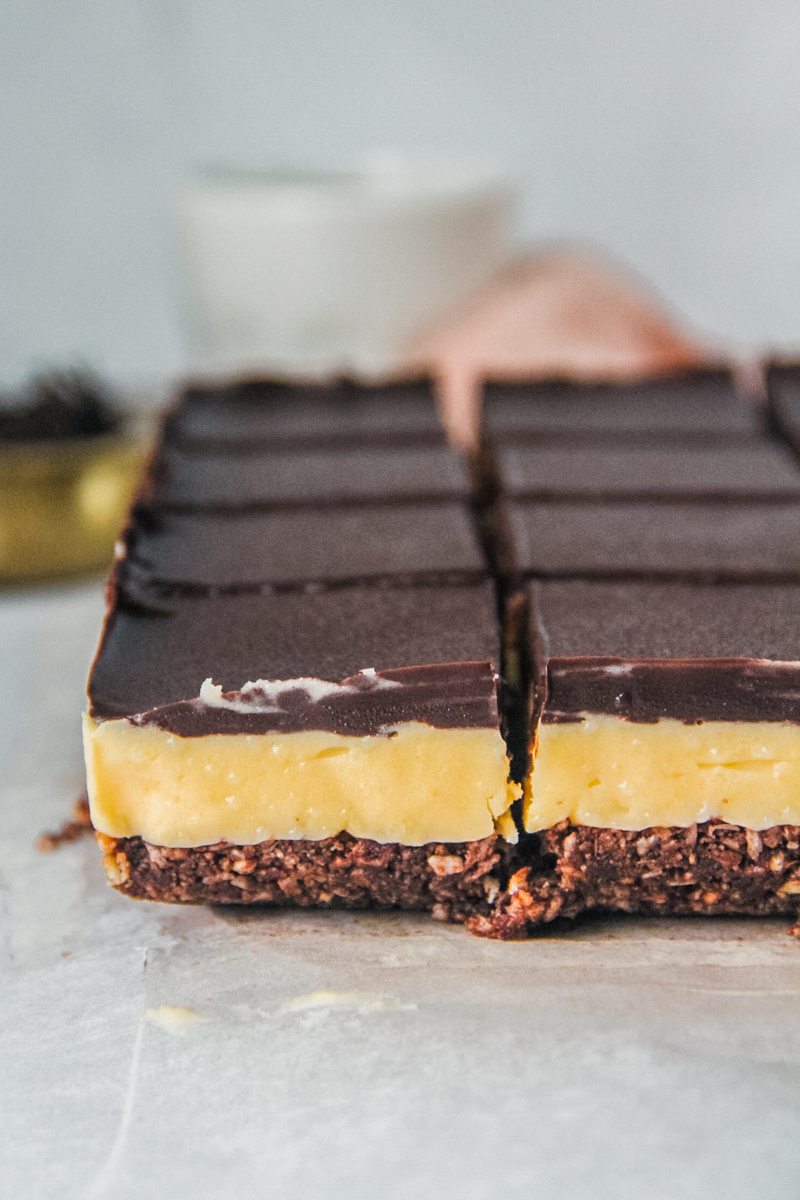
(783, 388)
(248, 477)
(435, 648)
(754, 470)
(642, 651)
(281, 411)
(698, 403)
(228, 551)
(687, 540)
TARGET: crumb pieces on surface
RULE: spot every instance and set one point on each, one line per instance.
(326, 1000)
(78, 824)
(174, 1018)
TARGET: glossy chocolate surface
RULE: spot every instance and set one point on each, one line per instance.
(438, 646)
(228, 551)
(699, 540)
(275, 411)
(248, 477)
(760, 469)
(643, 650)
(783, 388)
(695, 404)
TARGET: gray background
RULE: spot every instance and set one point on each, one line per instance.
(668, 133)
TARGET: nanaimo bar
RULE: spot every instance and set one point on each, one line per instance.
(339, 747)
(276, 412)
(665, 751)
(304, 694)
(238, 478)
(659, 576)
(758, 470)
(783, 392)
(297, 697)
(198, 551)
(669, 538)
(702, 404)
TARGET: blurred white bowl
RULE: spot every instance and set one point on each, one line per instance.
(325, 271)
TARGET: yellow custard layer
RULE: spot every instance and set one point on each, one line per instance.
(616, 774)
(421, 784)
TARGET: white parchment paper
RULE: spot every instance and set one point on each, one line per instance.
(150, 1051)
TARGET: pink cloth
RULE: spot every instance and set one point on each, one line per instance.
(561, 314)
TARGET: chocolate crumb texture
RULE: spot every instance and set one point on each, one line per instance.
(452, 881)
(706, 869)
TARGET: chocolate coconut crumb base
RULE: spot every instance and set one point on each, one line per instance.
(452, 881)
(708, 869)
(499, 891)
(79, 824)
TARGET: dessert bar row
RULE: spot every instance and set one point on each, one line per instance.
(345, 665)
(685, 477)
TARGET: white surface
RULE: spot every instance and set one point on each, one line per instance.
(354, 1056)
(333, 272)
(668, 133)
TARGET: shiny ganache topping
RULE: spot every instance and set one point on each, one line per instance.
(439, 644)
(444, 695)
(645, 650)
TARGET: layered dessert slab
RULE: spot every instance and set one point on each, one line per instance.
(339, 748)
(280, 412)
(665, 751)
(699, 404)
(297, 694)
(304, 693)
(232, 551)
(250, 477)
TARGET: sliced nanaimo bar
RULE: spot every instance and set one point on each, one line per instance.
(783, 388)
(684, 539)
(232, 551)
(338, 748)
(697, 404)
(282, 412)
(240, 477)
(665, 751)
(756, 470)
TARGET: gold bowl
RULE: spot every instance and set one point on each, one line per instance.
(63, 502)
